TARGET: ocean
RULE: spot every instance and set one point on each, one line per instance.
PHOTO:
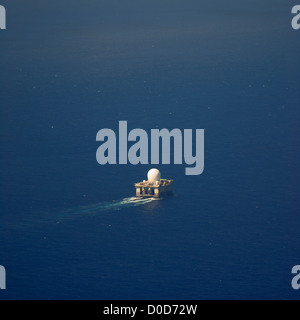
(71, 228)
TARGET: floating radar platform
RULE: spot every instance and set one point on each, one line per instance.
(154, 186)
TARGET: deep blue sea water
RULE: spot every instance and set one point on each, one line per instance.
(69, 228)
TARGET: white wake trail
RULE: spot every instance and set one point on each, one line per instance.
(104, 206)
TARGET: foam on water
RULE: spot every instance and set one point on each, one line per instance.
(105, 206)
(38, 218)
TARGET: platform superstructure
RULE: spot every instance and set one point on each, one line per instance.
(154, 186)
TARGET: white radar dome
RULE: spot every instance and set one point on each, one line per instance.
(153, 175)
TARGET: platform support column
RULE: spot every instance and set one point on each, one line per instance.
(138, 192)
